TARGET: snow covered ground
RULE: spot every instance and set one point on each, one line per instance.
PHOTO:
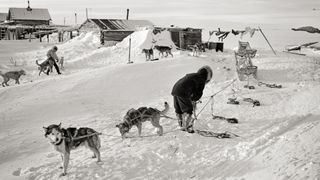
(278, 140)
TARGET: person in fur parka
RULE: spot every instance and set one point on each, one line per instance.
(186, 92)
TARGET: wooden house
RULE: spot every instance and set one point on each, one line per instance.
(183, 37)
(23, 21)
(29, 16)
(3, 28)
(3, 17)
(113, 30)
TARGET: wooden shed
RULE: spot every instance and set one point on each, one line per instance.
(113, 30)
(183, 37)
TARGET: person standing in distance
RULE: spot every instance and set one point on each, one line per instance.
(53, 58)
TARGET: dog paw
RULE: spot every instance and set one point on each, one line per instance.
(62, 174)
(99, 162)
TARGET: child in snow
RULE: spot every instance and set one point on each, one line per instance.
(52, 56)
(186, 92)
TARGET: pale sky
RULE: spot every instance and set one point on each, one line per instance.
(184, 13)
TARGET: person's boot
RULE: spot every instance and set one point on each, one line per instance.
(179, 117)
(184, 122)
(189, 123)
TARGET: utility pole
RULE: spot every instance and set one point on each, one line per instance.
(75, 18)
(64, 21)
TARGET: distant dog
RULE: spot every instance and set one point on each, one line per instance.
(148, 53)
(137, 117)
(163, 49)
(195, 49)
(65, 140)
(61, 63)
(44, 66)
(12, 75)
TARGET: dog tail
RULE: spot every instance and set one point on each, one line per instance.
(166, 108)
(37, 63)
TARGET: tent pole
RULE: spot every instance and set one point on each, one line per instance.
(267, 41)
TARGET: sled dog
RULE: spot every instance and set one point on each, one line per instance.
(12, 75)
(148, 53)
(136, 117)
(163, 49)
(44, 66)
(61, 62)
(65, 140)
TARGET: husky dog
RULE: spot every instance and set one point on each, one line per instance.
(137, 117)
(44, 66)
(195, 49)
(65, 140)
(11, 75)
(163, 49)
(149, 53)
(61, 62)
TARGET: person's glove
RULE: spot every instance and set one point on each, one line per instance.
(194, 104)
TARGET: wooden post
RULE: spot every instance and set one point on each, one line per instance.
(40, 37)
(70, 34)
(59, 36)
(267, 41)
(87, 14)
(127, 14)
(48, 37)
(129, 60)
(75, 18)
(29, 37)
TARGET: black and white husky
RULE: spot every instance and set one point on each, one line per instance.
(65, 140)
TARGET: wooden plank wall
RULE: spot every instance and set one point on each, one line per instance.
(189, 38)
(115, 35)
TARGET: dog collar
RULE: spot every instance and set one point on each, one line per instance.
(58, 143)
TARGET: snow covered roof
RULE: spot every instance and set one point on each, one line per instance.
(3, 16)
(32, 14)
(121, 24)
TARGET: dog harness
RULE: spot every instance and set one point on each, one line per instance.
(136, 116)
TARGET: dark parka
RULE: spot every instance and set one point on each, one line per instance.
(191, 85)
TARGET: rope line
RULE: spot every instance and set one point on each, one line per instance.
(212, 97)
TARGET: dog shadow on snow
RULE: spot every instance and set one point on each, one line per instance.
(52, 170)
(149, 135)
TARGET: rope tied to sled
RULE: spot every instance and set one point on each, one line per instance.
(212, 98)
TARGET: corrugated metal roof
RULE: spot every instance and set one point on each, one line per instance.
(121, 24)
(3, 16)
(24, 14)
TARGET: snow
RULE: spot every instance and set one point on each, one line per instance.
(278, 140)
